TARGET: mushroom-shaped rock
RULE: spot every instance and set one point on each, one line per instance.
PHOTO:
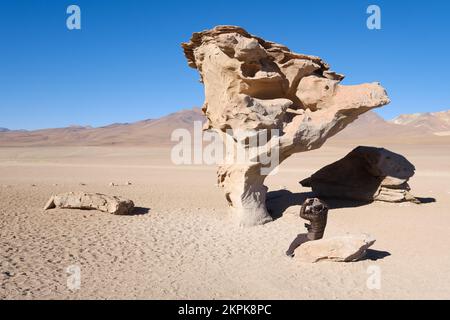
(257, 85)
(91, 201)
(365, 174)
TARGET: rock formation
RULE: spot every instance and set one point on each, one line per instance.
(365, 174)
(346, 248)
(316, 212)
(91, 201)
(253, 86)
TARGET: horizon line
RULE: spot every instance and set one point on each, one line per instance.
(88, 126)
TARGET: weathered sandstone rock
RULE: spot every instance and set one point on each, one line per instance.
(252, 84)
(346, 248)
(91, 201)
(365, 174)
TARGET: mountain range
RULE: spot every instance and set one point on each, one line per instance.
(436, 122)
(369, 128)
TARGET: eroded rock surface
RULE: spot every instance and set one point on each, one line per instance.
(346, 248)
(365, 174)
(91, 201)
(253, 84)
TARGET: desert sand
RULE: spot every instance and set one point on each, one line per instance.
(182, 244)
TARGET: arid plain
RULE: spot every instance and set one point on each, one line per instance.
(181, 242)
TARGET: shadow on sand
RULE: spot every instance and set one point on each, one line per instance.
(426, 200)
(139, 211)
(375, 255)
(279, 201)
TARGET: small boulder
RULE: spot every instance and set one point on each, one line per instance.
(91, 201)
(346, 248)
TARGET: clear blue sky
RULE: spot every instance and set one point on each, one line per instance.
(126, 63)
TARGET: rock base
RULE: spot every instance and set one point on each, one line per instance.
(346, 248)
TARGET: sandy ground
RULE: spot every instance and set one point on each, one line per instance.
(183, 244)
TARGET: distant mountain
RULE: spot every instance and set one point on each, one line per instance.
(4, 130)
(369, 129)
(437, 123)
(153, 132)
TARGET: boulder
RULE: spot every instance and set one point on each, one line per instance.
(365, 174)
(91, 201)
(346, 248)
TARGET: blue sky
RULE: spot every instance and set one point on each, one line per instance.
(126, 63)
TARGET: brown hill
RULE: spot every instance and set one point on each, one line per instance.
(148, 132)
(437, 123)
(368, 129)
